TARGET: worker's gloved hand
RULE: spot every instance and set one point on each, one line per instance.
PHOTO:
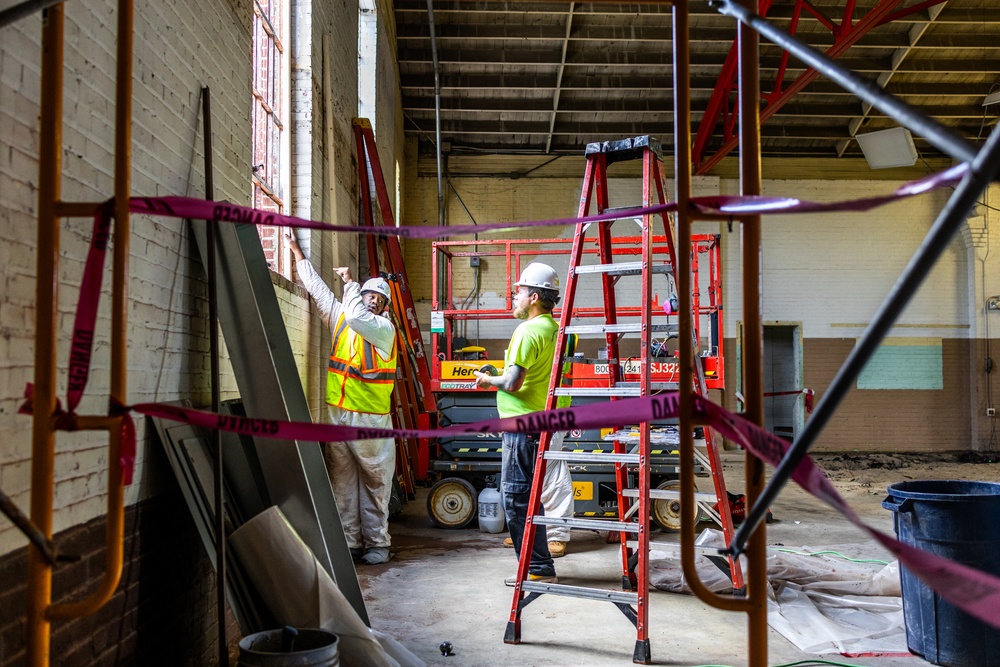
(293, 244)
(345, 274)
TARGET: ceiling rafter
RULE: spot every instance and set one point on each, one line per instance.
(587, 71)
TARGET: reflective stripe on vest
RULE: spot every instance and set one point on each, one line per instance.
(358, 378)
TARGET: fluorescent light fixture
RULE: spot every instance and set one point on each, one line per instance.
(992, 98)
(888, 148)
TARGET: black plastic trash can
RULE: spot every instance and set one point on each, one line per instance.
(959, 521)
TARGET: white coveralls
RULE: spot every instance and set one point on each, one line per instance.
(361, 471)
(557, 492)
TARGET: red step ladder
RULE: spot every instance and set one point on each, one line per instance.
(413, 401)
(634, 502)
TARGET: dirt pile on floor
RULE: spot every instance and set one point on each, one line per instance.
(879, 467)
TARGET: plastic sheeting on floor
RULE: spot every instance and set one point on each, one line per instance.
(821, 603)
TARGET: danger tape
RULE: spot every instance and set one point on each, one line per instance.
(975, 592)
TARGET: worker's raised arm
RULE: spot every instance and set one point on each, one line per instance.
(326, 301)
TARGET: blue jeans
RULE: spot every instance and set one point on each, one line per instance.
(516, 472)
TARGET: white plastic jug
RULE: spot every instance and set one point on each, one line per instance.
(490, 513)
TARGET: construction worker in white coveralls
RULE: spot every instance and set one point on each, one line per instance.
(359, 383)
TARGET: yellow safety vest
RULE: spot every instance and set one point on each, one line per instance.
(359, 379)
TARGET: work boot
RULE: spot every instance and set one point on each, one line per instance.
(376, 556)
(540, 578)
(557, 549)
(357, 553)
(509, 543)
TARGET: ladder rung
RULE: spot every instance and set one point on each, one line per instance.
(625, 327)
(617, 390)
(670, 494)
(669, 546)
(588, 524)
(620, 389)
(620, 597)
(590, 457)
(622, 268)
(702, 457)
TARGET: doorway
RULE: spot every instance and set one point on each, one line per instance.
(784, 402)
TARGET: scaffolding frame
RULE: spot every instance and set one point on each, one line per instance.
(51, 209)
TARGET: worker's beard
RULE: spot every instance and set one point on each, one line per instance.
(521, 312)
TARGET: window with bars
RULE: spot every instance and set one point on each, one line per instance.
(268, 117)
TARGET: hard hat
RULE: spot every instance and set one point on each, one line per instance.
(379, 286)
(539, 275)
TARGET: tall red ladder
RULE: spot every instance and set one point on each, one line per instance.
(413, 401)
(633, 503)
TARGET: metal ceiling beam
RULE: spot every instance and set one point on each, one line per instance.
(547, 36)
(525, 84)
(719, 105)
(848, 36)
(558, 62)
(540, 127)
(516, 84)
(536, 63)
(948, 66)
(559, 76)
(514, 104)
(415, 10)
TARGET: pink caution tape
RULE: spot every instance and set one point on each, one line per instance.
(199, 209)
(976, 592)
(748, 205)
(86, 309)
(126, 454)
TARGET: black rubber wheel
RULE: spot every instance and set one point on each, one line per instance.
(452, 503)
(395, 499)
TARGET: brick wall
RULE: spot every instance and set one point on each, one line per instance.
(893, 420)
(179, 48)
(151, 620)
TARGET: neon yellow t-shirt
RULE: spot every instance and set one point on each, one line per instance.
(531, 347)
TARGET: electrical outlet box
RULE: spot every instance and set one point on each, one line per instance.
(474, 262)
(991, 412)
(993, 303)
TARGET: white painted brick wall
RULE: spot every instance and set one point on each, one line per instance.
(178, 48)
(828, 270)
(825, 270)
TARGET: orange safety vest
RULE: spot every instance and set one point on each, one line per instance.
(359, 379)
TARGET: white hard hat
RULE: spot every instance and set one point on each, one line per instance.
(379, 286)
(539, 275)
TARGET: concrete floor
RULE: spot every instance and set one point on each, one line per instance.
(447, 585)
